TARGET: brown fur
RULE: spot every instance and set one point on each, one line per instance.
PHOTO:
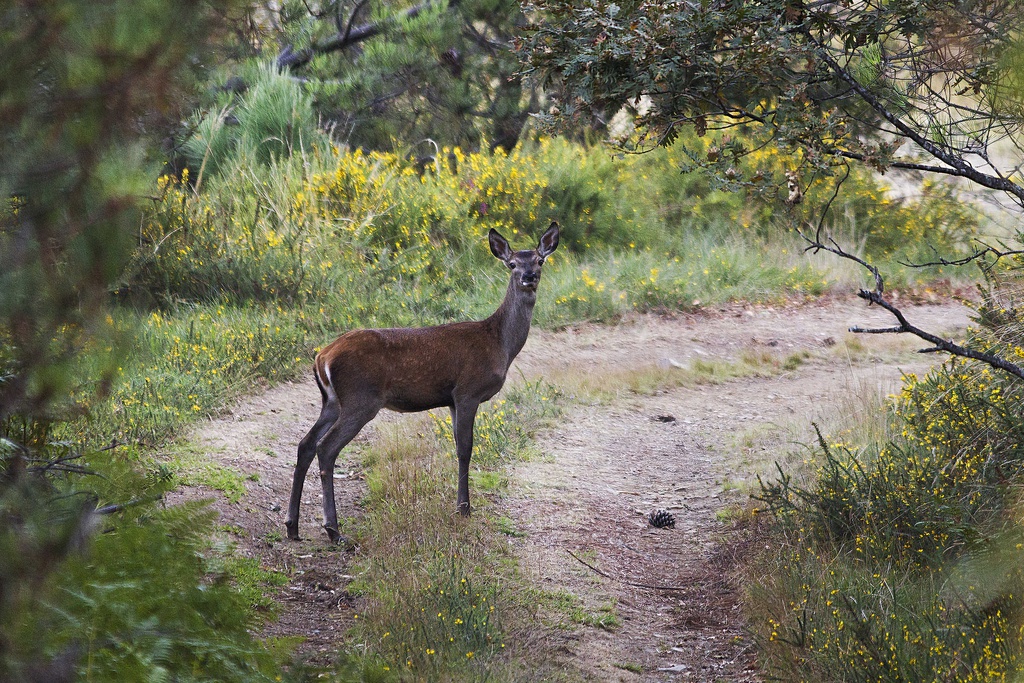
(458, 366)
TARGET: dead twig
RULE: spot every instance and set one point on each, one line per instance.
(978, 253)
(615, 578)
(876, 296)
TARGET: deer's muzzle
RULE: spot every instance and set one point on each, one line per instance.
(530, 280)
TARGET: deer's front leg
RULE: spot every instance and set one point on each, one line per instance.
(463, 416)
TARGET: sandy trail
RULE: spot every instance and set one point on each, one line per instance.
(694, 450)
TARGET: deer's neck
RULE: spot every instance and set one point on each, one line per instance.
(512, 319)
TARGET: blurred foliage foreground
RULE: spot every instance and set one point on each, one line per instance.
(96, 581)
(233, 280)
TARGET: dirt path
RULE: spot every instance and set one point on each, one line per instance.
(694, 450)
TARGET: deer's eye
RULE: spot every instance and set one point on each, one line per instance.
(540, 262)
(511, 265)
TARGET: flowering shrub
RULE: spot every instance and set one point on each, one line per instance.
(295, 230)
(903, 560)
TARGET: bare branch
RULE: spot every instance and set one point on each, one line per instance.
(64, 463)
(877, 330)
(978, 253)
(828, 205)
(904, 165)
(875, 297)
(960, 166)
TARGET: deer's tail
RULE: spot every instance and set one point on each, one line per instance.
(321, 382)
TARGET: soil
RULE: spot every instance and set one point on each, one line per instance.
(672, 595)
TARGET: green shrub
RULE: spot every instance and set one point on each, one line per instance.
(212, 146)
(272, 120)
(902, 560)
(130, 596)
(298, 228)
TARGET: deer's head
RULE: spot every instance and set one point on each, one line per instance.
(525, 264)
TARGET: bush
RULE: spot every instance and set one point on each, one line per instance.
(137, 602)
(902, 560)
(299, 229)
(270, 122)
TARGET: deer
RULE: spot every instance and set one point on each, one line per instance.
(455, 365)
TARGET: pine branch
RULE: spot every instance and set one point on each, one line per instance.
(343, 39)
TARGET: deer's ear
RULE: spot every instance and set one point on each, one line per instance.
(499, 246)
(548, 241)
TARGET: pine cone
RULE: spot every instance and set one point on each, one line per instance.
(661, 519)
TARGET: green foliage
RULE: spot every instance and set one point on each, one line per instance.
(116, 602)
(253, 581)
(901, 559)
(86, 595)
(212, 146)
(138, 602)
(83, 84)
(272, 120)
(828, 84)
(384, 74)
(455, 625)
(276, 117)
(188, 365)
(41, 528)
(191, 467)
(301, 230)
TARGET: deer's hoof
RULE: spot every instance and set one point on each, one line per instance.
(464, 509)
(293, 530)
(335, 537)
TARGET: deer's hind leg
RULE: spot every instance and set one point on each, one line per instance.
(307, 451)
(337, 437)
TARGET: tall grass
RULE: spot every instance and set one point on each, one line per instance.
(440, 590)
